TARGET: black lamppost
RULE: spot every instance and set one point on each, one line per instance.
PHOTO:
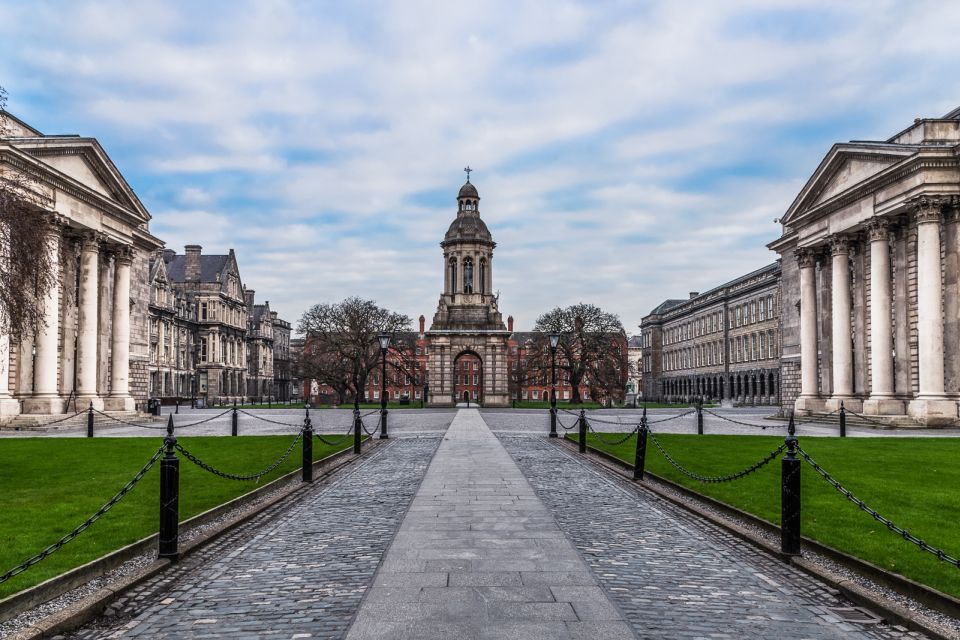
(384, 339)
(554, 341)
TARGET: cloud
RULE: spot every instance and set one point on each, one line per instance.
(625, 153)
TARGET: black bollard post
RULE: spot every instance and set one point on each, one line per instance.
(700, 418)
(383, 423)
(640, 456)
(553, 422)
(843, 421)
(583, 431)
(790, 495)
(90, 420)
(357, 426)
(234, 421)
(308, 448)
(177, 408)
(169, 537)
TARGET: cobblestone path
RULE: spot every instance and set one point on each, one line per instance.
(296, 571)
(673, 575)
(479, 556)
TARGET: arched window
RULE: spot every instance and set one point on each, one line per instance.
(483, 275)
(468, 275)
(453, 275)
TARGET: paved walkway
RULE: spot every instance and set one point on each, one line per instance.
(675, 575)
(298, 571)
(480, 556)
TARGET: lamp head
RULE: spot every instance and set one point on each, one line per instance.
(384, 339)
(554, 340)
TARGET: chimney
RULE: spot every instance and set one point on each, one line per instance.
(191, 271)
(510, 324)
(168, 255)
(694, 294)
(248, 297)
(423, 323)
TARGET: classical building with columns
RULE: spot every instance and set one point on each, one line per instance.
(93, 347)
(870, 249)
(723, 344)
(468, 334)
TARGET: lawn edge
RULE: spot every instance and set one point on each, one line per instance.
(89, 607)
(929, 596)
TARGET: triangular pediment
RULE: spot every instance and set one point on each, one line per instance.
(84, 161)
(844, 167)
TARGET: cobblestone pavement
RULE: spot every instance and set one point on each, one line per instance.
(753, 420)
(296, 571)
(673, 575)
(479, 556)
(411, 422)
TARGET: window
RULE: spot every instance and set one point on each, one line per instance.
(468, 275)
(453, 275)
(536, 394)
(483, 275)
(476, 379)
(203, 310)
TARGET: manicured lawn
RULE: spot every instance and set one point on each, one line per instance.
(913, 481)
(534, 404)
(51, 485)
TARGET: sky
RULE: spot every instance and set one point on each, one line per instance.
(625, 152)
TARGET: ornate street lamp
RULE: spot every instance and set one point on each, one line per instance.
(384, 339)
(554, 341)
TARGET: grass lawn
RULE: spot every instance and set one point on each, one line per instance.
(912, 481)
(51, 485)
(545, 404)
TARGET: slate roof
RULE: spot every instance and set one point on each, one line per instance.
(468, 227)
(210, 268)
(666, 305)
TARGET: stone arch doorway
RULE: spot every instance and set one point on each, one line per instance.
(468, 377)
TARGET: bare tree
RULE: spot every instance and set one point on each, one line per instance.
(28, 269)
(341, 348)
(591, 348)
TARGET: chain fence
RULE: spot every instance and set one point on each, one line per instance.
(903, 533)
(746, 424)
(277, 422)
(23, 566)
(679, 415)
(717, 479)
(233, 476)
(612, 443)
(363, 425)
(573, 427)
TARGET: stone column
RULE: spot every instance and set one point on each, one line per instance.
(46, 398)
(881, 400)
(88, 310)
(842, 306)
(9, 406)
(120, 398)
(931, 405)
(809, 399)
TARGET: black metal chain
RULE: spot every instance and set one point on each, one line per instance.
(614, 443)
(868, 419)
(715, 479)
(364, 426)
(160, 426)
(64, 419)
(903, 533)
(23, 566)
(745, 424)
(262, 419)
(232, 476)
(679, 415)
(565, 427)
(193, 424)
(334, 443)
(369, 413)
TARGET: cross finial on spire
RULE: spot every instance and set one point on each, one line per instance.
(468, 170)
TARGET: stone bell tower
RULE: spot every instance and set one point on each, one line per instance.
(468, 340)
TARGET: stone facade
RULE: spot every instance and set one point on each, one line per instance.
(94, 347)
(283, 382)
(260, 344)
(723, 344)
(467, 321)
(870, 250)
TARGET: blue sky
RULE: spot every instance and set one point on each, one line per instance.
(625, 152)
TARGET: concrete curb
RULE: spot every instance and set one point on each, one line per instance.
(890, 609)
(91, 606)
